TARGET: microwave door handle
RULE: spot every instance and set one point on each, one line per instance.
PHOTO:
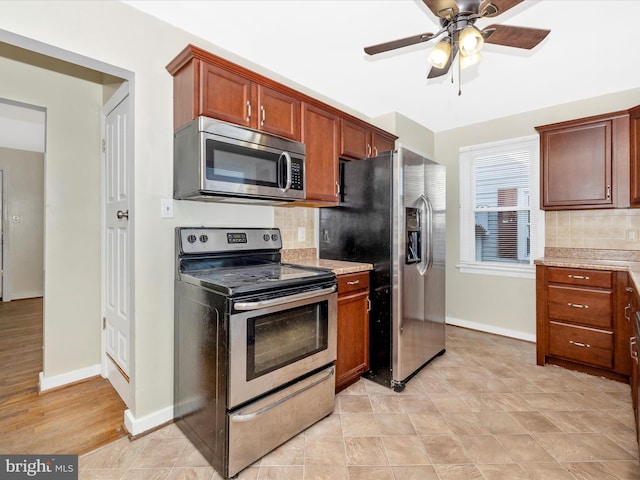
(287, 158)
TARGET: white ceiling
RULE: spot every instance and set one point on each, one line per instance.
(591, 51)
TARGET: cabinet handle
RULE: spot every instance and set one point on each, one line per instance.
(375, 151)
(248, 111)
(577, 305)
(627, 309)
(578, 277)
(337, 189)
(354, 282)
(632, 342)
(608, 192)
(264, 116)
(368, 150)
(369, 306)
(579, 344)
(629, 289)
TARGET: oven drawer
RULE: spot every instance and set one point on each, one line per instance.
(581, 305)
(582, 344)
(260, 427)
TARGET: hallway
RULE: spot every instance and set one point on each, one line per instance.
(73, 419)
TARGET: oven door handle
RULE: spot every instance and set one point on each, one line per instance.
(281, 300)
(250, 416)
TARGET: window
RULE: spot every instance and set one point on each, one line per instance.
(502, 227)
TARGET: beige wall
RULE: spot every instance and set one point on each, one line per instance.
(24, 179)
(504, 304)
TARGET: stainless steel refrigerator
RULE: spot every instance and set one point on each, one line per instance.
(392, 215)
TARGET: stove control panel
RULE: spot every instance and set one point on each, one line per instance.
(217, 240)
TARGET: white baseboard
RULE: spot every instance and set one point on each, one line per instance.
(136, 426)
(25, 295)
(47, 383)
(483, 327)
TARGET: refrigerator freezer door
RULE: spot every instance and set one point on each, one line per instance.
(409, 328)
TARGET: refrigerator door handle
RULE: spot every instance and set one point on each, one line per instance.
(427, 235)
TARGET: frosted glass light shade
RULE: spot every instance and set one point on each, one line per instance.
(439, 56)
(470, 41)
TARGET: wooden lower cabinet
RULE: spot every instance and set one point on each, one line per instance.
(582, 320)
(353, 328)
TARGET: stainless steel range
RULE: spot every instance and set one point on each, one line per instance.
(255, 344)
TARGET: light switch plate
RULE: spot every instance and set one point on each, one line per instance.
(167, 207)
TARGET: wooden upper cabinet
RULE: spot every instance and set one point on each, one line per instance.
(224, 95)
(585, 163)
(210, 86)
(277, 113)
(634, 139)
(358, 140)
(320, 133)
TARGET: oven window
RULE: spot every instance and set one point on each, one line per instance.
(284, 337)
(237, 164)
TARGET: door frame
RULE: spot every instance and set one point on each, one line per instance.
(73, 58)
(124, 389)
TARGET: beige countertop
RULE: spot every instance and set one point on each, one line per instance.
(620, 260)
(307, 257)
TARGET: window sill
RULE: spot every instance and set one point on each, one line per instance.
(502, 269)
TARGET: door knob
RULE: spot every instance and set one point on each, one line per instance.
(122, 214)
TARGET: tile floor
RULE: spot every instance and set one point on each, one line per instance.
(482, 411)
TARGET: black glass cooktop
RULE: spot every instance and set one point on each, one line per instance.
(257, 278)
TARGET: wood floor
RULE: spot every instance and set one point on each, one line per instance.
(75, 419)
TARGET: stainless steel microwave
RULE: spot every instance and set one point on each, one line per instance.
(219, 161)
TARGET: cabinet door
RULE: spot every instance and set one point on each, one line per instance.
(382, 144)
(320, 134)
(355, 140)
(353, 338)
(577, 165)
(225, 95)
(278, 113)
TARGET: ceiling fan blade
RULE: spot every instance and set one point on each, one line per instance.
(402, 42)
(438, 72)
(442, 8)
(493, 8)
(510, 36)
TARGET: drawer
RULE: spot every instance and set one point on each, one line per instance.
(581, 344)
(576, 276)
(351, 282)
(581, 305)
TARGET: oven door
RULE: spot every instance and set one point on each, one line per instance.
(276, 341)
(236, 167)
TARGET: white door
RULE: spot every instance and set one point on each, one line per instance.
(118, 240)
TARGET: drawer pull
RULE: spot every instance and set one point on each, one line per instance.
(579, 344)
(577, 305)
(579, 277)
(634, 355)
(353, 282)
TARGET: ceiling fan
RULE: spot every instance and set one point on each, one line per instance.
(457, 19)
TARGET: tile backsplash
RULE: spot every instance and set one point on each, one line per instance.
(617, 229)
(294, 224)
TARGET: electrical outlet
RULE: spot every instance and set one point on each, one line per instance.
(167, 207)
(632, 234)
(301, 234)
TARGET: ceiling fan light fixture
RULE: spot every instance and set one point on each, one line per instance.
(439, 55)
(468, 60)
(470, 41)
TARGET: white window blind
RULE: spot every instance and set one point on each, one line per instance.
(500, 216)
